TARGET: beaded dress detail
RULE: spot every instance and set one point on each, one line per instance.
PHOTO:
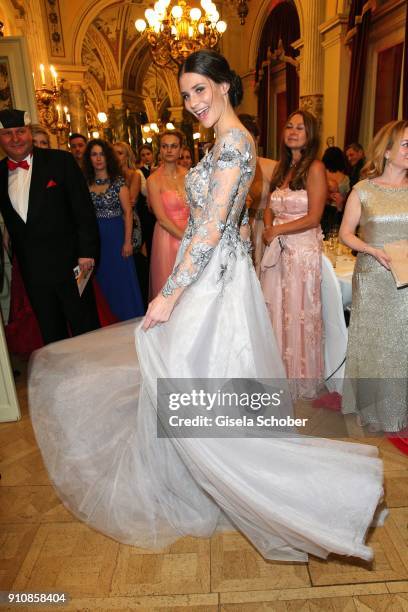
(107, 204)
(378, 322)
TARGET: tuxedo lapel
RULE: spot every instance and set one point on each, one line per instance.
(38, 178)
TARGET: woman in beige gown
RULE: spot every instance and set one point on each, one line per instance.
(259, 194)
(377, 353)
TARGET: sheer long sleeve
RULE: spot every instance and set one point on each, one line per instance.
(228, 181)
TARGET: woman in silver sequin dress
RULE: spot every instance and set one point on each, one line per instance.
(377, 355)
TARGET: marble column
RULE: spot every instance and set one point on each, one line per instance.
(77, 109)
(336, 77)
(118, 123)
(311, 59)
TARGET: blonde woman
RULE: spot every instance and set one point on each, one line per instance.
(378, 333)
(41, 137)
(259, 193)
(167, 198)
(128, 167)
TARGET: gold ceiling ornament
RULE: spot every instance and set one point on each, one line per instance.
(174, 32)
(242, 9)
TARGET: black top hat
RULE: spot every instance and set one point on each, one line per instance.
(13, 118)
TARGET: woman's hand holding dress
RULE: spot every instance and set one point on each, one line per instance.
(206, 229)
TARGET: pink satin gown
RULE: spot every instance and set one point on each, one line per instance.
(290, 279)
(165, 246)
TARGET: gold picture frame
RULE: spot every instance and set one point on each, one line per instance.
(16, 79)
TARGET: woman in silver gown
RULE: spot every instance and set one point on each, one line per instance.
(94, 401)
(377, 353)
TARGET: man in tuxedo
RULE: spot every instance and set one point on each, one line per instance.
(147, 222)
(50, 218)
(146, 159)
(147, 218)
(356, 159)
(77, 146)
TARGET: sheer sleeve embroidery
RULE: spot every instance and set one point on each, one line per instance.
(228, 183)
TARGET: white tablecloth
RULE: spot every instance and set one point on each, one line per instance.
(344, 272)
(334, 325)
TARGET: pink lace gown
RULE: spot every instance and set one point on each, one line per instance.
(290, 279)
(165, 246)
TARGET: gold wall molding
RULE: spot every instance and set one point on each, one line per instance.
(257, 17)
(311, 57)
(335, 77)
(55, 35)
(313, 103)
(108, 59)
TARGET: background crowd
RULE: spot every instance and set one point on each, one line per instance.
(139, 209)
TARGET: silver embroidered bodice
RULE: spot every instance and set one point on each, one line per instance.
(216, 192)
(107, 204)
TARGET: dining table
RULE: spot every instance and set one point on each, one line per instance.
(344, 268)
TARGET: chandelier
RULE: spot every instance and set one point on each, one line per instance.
(173, 33)
(53, 115)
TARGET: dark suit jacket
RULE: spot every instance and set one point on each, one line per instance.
(355, 172)
(61, 223)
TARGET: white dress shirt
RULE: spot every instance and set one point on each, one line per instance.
(143, 189)
(19, 188)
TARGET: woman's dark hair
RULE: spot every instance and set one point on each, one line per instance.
(140, 149)
(250, 124)
(214, 66)
(77, 135)
(309, 154)
(334, 160)
(187, 148)
(356, 146)
(145, 146)
(112, 166)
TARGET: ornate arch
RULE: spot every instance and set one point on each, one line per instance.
(264, 10)
(108, 59)
(8, 14)
(97, 92)
(83, 22)
(135, 48)
(170, 79)
(150, 110)
(144, 81)
(143, 67)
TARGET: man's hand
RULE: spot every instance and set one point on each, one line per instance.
(86, 264)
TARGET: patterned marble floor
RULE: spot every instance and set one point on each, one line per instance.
(43, 547)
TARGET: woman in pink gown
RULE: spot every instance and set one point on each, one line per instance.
(166, 197)
(291, 265)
